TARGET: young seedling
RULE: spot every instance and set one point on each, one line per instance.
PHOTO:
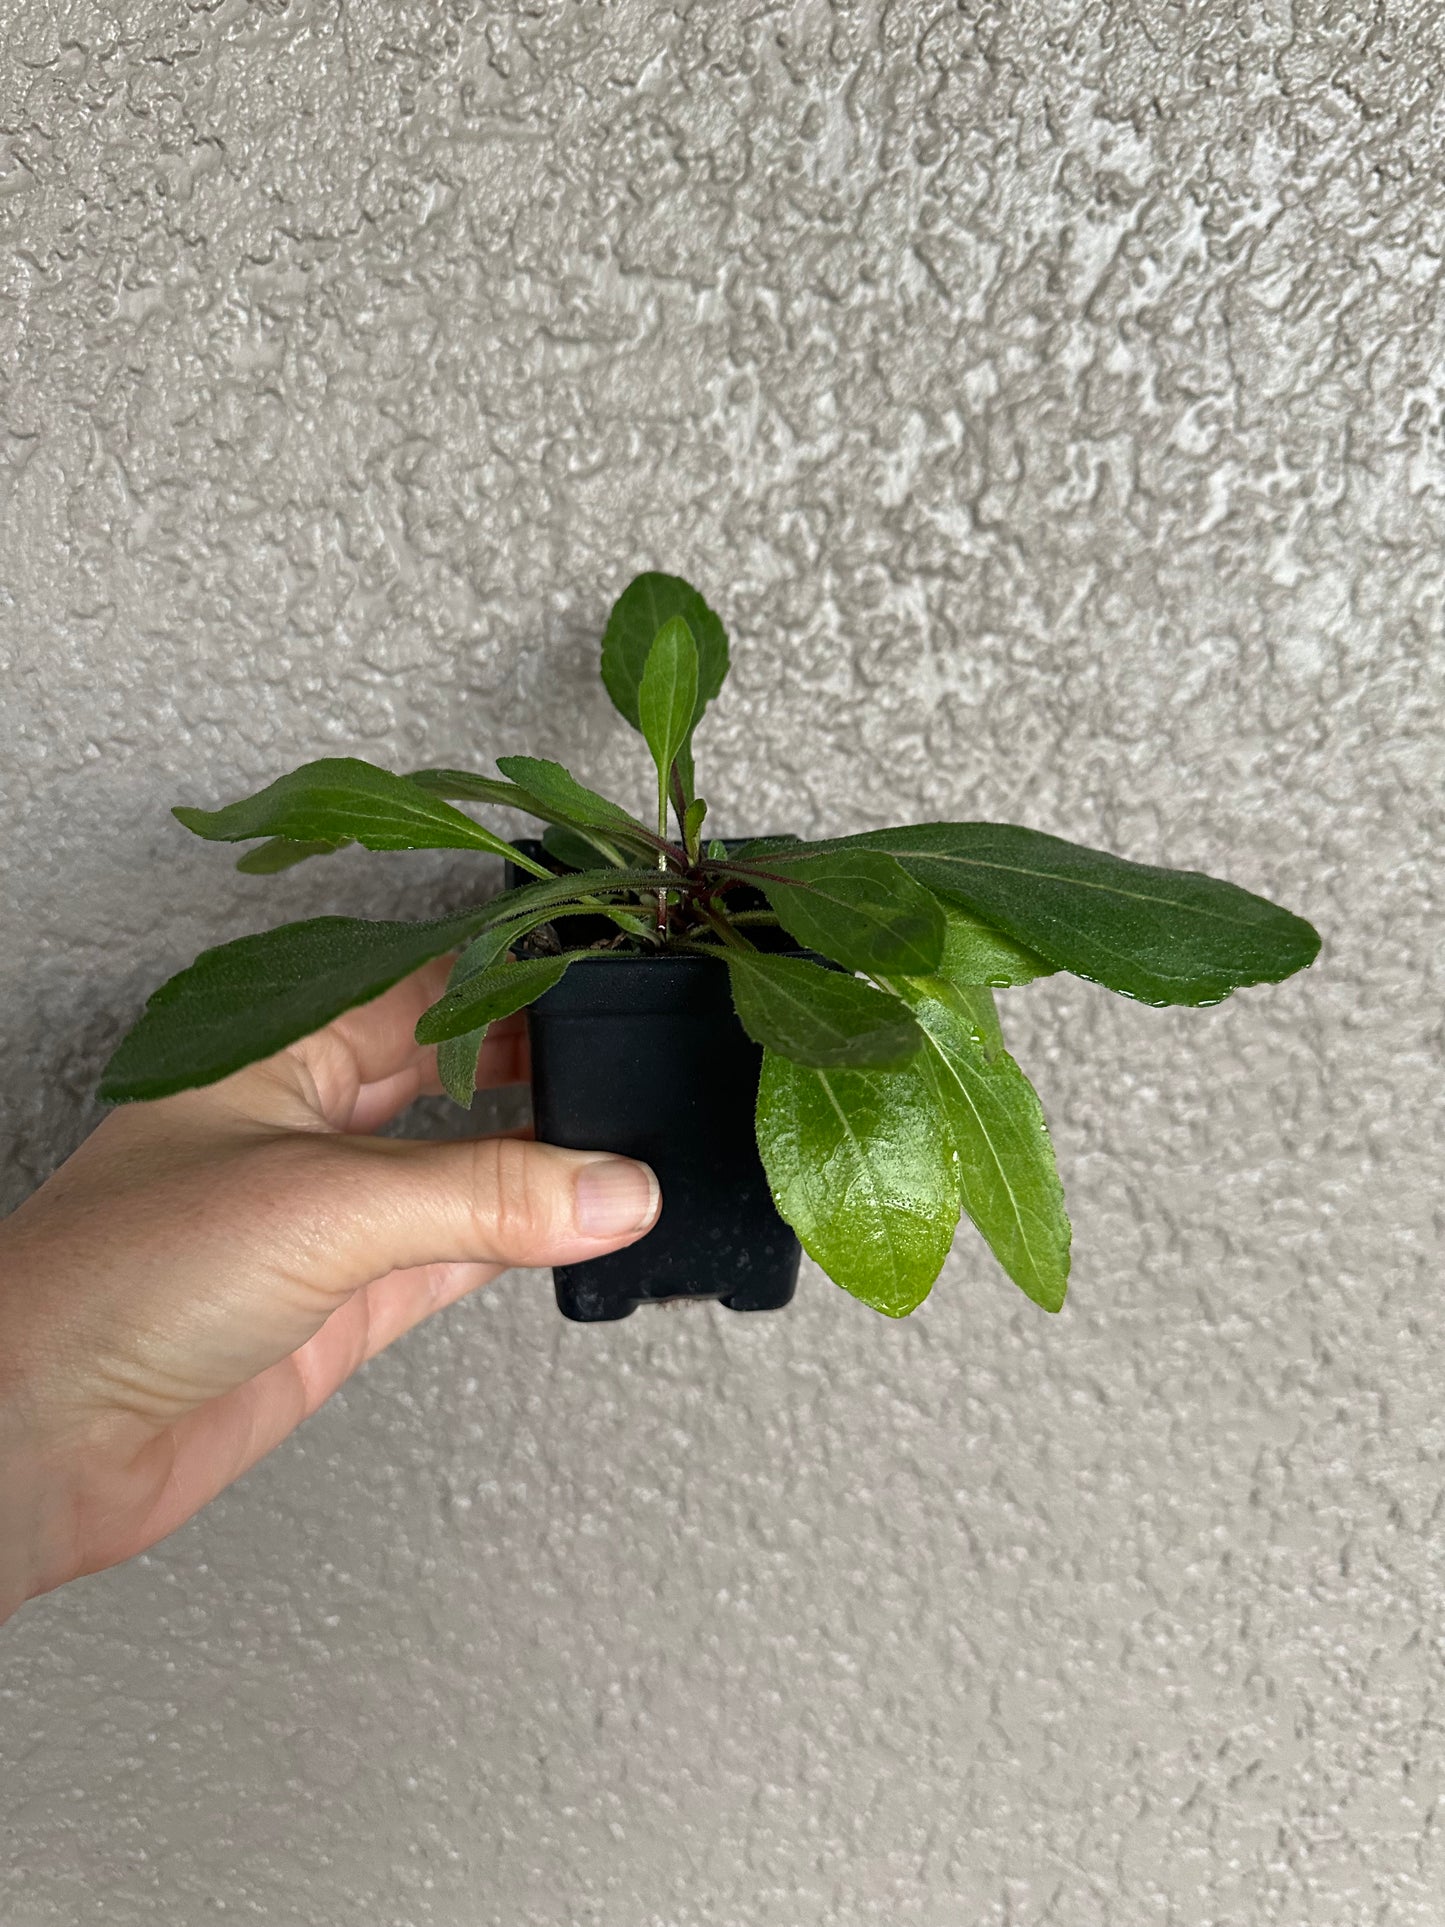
(865, 966)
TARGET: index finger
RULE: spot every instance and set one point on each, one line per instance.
(373, 1045)
(504, 1058)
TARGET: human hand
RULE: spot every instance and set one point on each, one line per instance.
(207, 1268)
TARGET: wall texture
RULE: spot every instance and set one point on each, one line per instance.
(1051, 396)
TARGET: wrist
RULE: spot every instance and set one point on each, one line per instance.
(22, 1521)
(38, 1493)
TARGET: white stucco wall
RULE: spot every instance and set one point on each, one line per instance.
(1051, 397)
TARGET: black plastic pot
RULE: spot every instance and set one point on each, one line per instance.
(645, 1056)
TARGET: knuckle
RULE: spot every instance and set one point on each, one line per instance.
(287, 1169)
(510, 1203)
(298, 1188)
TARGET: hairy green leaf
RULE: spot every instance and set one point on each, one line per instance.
(457, 1066)
(686, 774)
(281, 852)
(338, 798)
(816, 1016)
(667, 697)
(976, 1007)
(573, 802)
(767, 845)
(1161, 936)
(475, 788)
(1010, 1184)
(492, 993)
(861, 1166)
(576, 848)
(859, 908)
(975, 954)
(457, 1056)
(571, 892)
(693, 818)
(646, 603)
(472, 787)
(247, 999)
(494, 942)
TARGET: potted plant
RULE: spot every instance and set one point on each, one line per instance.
(800, 1036)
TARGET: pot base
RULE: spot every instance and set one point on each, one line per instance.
(588, 1301)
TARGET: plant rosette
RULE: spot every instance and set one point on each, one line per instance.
(803, 1037)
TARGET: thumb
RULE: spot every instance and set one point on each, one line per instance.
(395, 1203)
(186, 1266)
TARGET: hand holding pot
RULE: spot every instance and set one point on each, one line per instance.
(206, 1269)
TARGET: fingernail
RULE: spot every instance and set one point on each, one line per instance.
(613, 1195)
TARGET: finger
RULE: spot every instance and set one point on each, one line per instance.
(373, 1043)
(377, 1104)
(504, 1059)
(506, 1056)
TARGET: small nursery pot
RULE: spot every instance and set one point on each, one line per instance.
(645, 1056)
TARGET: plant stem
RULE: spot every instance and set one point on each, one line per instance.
(730, 936)
(662, 853)
(679, 801)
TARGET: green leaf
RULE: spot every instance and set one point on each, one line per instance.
(693, 818)
(465, 783)
(495, 941)
(975, 954)
(859, 908)
(576, 804)
(457, 1066)
(667, 696)
(575, 848)
(1161, 936)
(492, 993)
(573, 891)
(686, 774)
(861, 1166)
(646, 603)
(717, 848)
(1010, 1185)
(281, 852)
(816, 1016)
(457, 1059)
(514, 796)
(247, 999)
(976, 1007)
(457, 1056)
(341, 797)
(767, 845)
(472, 787)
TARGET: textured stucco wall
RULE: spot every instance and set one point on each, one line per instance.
(1052, 399)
